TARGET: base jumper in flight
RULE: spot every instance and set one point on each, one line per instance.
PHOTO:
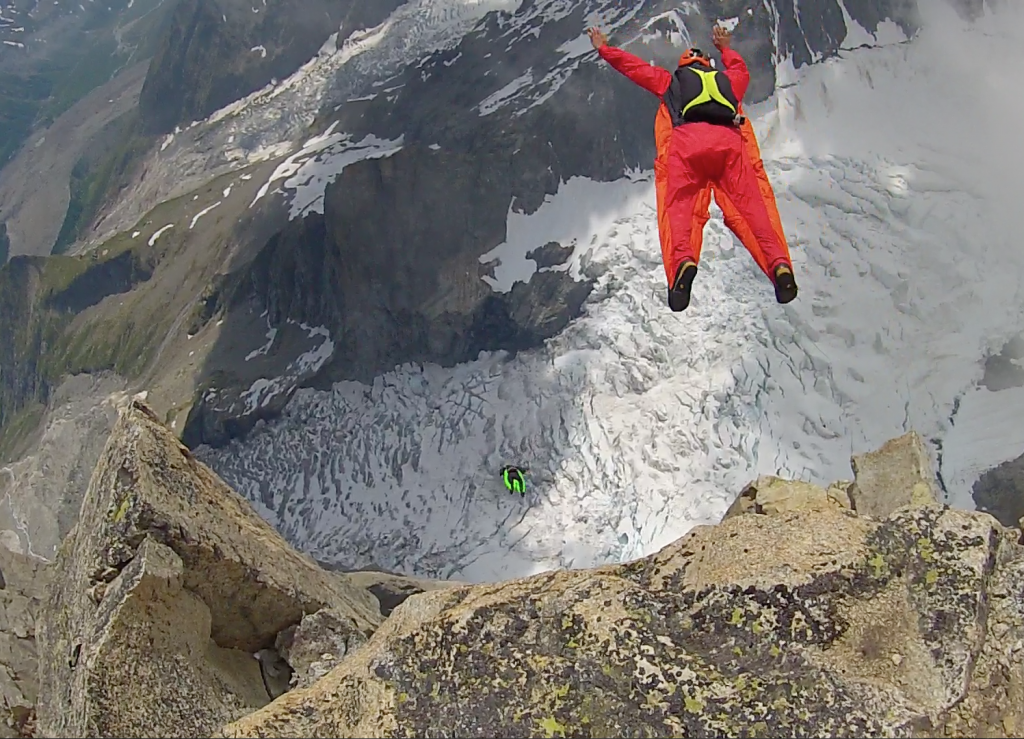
(705, 145)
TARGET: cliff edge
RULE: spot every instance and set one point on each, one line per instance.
(863, 609)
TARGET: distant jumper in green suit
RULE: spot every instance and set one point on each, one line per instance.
(514, 479)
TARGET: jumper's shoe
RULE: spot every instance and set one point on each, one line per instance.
(679, 293)
(785, 284)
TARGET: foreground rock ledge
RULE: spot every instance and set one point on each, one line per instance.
(863, 609)
(795, 622)
(164, 591)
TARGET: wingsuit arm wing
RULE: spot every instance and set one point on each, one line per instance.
(737, 72)
(648, 76)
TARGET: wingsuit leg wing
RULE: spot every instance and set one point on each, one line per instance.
(739, 183)
(735, 221)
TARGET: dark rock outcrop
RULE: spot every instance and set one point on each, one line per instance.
(1000, 492)
(392, 270)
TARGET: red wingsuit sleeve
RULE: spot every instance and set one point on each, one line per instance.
(737, 72)
(653, 79)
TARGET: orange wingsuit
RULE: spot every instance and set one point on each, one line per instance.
(686, 176)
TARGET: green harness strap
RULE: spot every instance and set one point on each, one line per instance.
(709, 91)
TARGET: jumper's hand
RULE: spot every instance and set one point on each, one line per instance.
(721, 38)
(597, 38)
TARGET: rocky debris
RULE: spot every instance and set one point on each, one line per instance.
(275, 671)
(896, 475)
(771, 495)
(23, 581)
(164, 591)
(813, 620)
(313, 647)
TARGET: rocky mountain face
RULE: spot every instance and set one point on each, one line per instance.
(863, 607)
(54, 53)
(390, 262)
(374, 237)
(213, 53)
(798, 614)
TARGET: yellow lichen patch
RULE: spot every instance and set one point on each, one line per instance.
(878, 565)
(921, 495)
(122, 510)
(551, 727)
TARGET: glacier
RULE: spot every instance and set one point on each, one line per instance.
(894, 166)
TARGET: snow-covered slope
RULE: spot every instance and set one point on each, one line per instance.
(892, 167)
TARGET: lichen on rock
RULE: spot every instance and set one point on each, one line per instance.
(810, 621)
(797, 615)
